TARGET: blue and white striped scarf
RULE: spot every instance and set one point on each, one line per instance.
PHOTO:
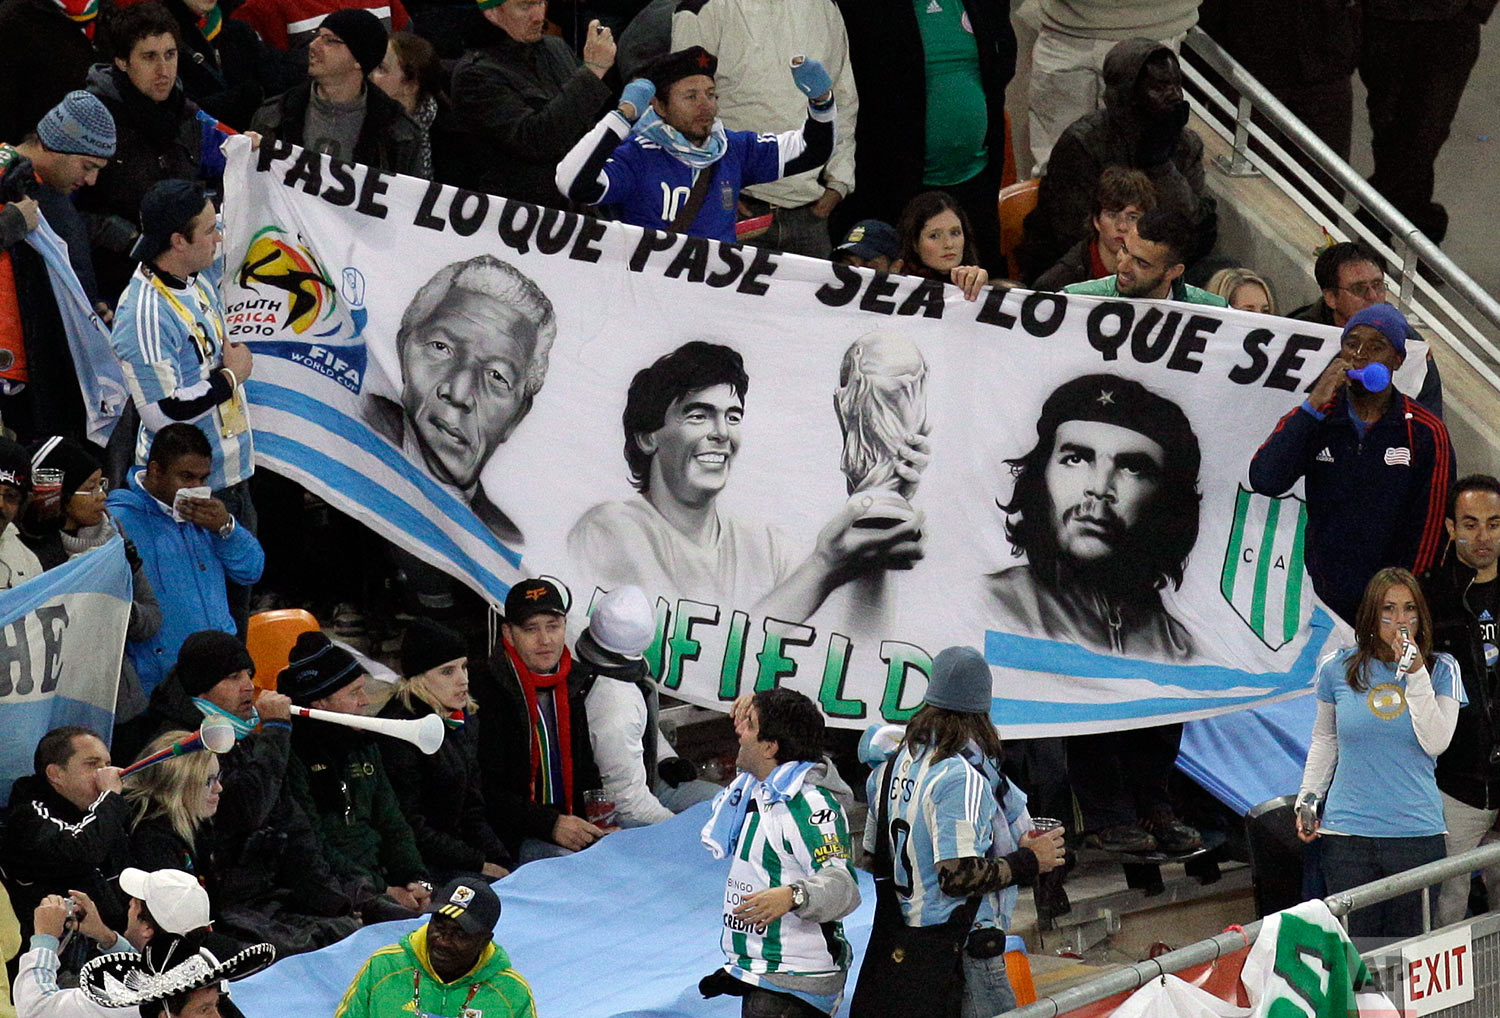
(722, 832)
(653, 128)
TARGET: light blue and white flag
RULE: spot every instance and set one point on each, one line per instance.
(99, 376)
(830, 474)
(61, 637)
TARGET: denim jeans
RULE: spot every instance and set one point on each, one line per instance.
(1350, 860)
(987, 989)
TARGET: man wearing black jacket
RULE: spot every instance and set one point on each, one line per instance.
(534, 749)
(223, 65)
(337, 111)
(68, 827)
(271, 879)
(1463, 594)
(526, 99)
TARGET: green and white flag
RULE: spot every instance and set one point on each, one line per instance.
(1263, 568)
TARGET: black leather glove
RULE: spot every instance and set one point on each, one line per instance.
(132, 556)
(17, 180)
(675, 770)
(1159, 139)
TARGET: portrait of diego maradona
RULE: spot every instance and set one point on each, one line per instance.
(682, 430)
(1105, 510)
(473, 346)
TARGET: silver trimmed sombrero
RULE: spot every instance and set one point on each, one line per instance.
(170, 965)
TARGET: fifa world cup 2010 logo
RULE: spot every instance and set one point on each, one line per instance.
(880, 402)
(273, 261)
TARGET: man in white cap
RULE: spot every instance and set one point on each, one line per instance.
(162, 902)
(638, 767)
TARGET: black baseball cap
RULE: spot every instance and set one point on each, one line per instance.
(169, 207)
(533, 597)
(473, 904)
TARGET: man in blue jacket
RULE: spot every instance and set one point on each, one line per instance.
(1376, 465)
(189, 543)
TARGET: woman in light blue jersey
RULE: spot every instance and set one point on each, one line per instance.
(1386, 709)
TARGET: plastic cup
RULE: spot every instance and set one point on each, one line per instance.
(46, 492)
(598, 807)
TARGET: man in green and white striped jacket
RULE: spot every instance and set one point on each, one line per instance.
(783, 824)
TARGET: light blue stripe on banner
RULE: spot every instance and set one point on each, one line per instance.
(1039, 712)
(360, 488)
(103, 571)
(278, 397)
(1007, 650)
(1011, 651)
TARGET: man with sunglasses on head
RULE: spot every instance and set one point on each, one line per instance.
(1377, 465)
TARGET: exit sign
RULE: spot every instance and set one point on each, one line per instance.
(1438, 972)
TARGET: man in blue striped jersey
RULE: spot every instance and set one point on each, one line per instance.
(173, 344)
(959, 841)
(782, 823)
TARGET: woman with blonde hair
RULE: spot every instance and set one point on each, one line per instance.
(174, 801)
(441, 794)
(1244, 290)
(1387, 708)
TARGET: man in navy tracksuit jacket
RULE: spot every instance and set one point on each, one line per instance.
(1377, 465)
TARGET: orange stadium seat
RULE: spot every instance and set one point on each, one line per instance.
(1016, 203)
(270, 637)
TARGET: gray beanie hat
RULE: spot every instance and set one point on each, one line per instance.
(960, 681)
(80, 125)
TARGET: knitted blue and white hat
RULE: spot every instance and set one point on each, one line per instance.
(80, 125)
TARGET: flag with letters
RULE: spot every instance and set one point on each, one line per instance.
(1263, 574)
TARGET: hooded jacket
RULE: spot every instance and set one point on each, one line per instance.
(399, 979)
(890, 76)
(388, 139)
(1111, 137)
(154, 141)
(441, 795)
(1465, 769)
(188, 567)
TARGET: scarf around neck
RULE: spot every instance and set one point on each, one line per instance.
(82, 13)
(557, 683)
(653, 128)
(241, 727)
(212, 23)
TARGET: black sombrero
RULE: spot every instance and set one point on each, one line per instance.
(170, 965)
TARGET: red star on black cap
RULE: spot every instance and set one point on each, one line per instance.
(702, 59)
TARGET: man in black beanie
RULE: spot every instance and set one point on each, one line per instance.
(335, 111)
(268, 845)
(338, 777)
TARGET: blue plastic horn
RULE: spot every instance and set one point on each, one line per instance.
(1374, 377)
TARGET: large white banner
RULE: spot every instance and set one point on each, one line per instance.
(821, 475)
(61, 638)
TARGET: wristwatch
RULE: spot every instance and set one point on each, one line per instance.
(799, 896)
(227, 528)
